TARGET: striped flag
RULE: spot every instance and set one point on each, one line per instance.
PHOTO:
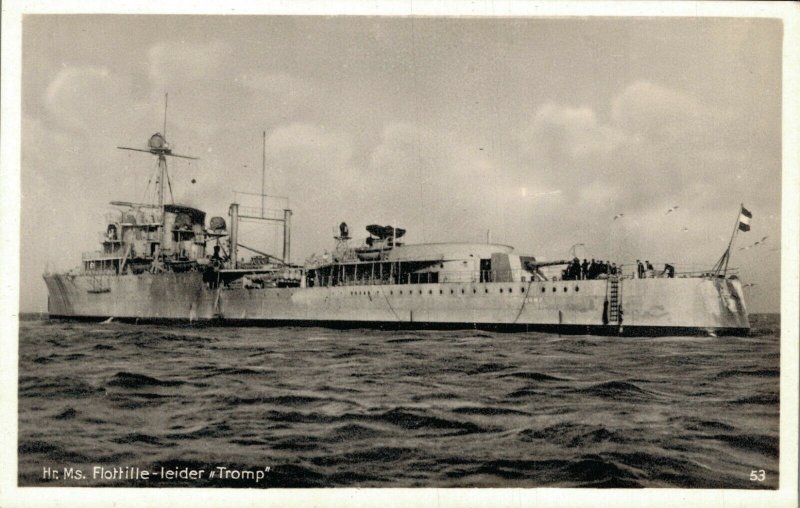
(744, 219)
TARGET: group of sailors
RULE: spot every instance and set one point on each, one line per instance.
(589, 269)
(597, 268)
(646, 270)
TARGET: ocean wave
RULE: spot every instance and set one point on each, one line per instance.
(488, 368)
(52, 452)
(772, 399)
(213, 430)
(281, 400)
(615, 390)
(67, 414)
(699, 424)
(353, 431)
(759, 443)
(748, 372)
(55, 387)
(527, 392)
(488, 411)
(133, 380)
(412, 421)
(134, 438)
(575, 435)
(376, 454)
(533, 376)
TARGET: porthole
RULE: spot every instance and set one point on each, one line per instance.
(462, 291)
(501, 290)
(451, 291)
(510, 290)
(401, 291)
(391, 292)
(440, 291)
(565, 289)
(577, 289)
(474, 291)
(420, 291)
(486, 290)
(430, 291)
(554, 289)
(521, 290)
(542, 290)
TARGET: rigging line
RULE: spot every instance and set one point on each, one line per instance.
(146, 192)
(524, 300)
(390, 305)
(169, 184)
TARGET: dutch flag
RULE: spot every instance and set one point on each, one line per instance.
(744, 219)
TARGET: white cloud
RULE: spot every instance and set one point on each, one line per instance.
(655, 147)
(181, 61)
(279, 89)
(571, 132)
(86, 98)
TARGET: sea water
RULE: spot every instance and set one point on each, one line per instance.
(316, 407)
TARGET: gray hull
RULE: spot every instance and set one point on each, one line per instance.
(649, 306)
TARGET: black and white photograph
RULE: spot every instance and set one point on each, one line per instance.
(437, 246)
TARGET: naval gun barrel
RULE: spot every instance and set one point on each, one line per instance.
(534, 265)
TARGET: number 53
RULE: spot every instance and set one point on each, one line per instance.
(757, 476)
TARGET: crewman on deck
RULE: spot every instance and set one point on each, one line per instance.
(639, 269)
(585, 269)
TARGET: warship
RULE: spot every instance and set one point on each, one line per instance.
(162, 261)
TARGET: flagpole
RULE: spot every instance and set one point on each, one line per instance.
(733, 237)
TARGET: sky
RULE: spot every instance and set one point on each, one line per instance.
(535, 132)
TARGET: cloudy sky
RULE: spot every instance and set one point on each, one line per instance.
(538, 130)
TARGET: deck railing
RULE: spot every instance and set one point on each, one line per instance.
(491, 276)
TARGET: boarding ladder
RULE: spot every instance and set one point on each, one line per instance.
(614, 288)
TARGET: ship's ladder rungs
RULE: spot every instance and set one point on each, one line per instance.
(614, 299)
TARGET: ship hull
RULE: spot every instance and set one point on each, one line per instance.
(660, 306)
